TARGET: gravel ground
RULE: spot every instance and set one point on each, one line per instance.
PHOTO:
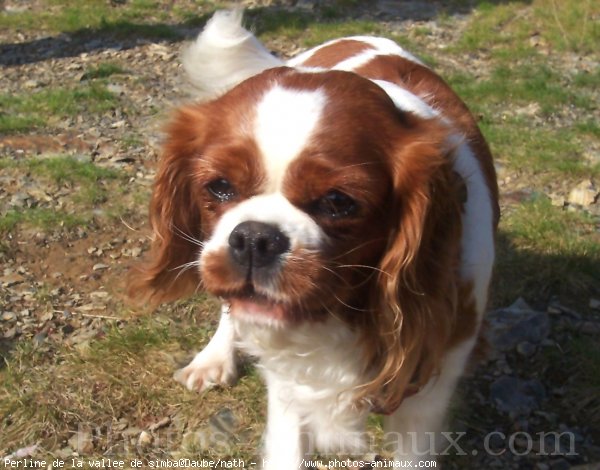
(79, 272)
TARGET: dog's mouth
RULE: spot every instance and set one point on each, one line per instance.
(251, 305)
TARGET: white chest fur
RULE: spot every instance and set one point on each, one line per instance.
(311, 372)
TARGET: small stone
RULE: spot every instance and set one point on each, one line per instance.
(584, 194)
(145, 439)
(10, 333)
(8, 316)
(519, 306)
(64, 453)
(31, 84)
(510, 327)
(517, 397)
(526, 349)
(40, 337)
(554, 310)
(116, 89)
(47, 316)
(82, 442)
(131, 431)
(20, 199)
(135, 252)
(116, 125)
(223, 421)
(100, 267)
(557, 200)
(99, 294)
(590, 327)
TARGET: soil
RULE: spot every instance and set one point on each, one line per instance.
(81, 270)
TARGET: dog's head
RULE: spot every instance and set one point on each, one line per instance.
(299, 195)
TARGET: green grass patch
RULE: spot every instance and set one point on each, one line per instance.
(103, 70)
(25, 111)
(89, 185)
(569, 24)
(547, 152)
(124, 371)
(512, 103)
(137, 16)
(508, 27)
(544, 251)
(69, 170)
(44, 218)
(533, 83)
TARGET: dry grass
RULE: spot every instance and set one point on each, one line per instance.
(118, 382)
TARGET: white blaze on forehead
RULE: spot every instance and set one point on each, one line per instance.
(285, 121)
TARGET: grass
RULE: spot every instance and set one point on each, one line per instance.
(91, 183)
(538, 114)
(552, 252)
(515, 103)
(565, 25)
(44, 401)
(533, 83)
(74, 16)
(103, 70)
(26, 111)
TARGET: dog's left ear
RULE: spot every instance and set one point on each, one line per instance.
(169, 273)
(417, 289)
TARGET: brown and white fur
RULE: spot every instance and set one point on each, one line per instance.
(343, 206)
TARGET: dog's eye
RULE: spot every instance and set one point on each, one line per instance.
(336, 204)
(221, 189)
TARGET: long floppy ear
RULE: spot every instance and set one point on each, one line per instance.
(169, 271)
(416, 292)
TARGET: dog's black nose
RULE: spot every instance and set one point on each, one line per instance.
(257, 244)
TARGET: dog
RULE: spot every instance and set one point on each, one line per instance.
(343, 206)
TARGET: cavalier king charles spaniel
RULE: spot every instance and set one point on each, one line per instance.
(343, 206)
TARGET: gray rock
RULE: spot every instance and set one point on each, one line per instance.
(509, 328)
(223, 422)
(517, 397)
(526, 349)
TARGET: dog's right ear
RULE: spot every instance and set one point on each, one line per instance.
(170, 270)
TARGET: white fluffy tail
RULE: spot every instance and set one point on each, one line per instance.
(225, 54)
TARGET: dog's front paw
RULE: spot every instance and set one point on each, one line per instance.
(207, 371)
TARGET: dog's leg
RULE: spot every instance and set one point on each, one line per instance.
(413, 431)
(285, 442)
(216, 363)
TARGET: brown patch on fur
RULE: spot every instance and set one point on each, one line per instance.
(425, 83)
(329, 56)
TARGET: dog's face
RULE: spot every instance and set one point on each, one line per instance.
(298, 195)
(304, 193)
(295, 197)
